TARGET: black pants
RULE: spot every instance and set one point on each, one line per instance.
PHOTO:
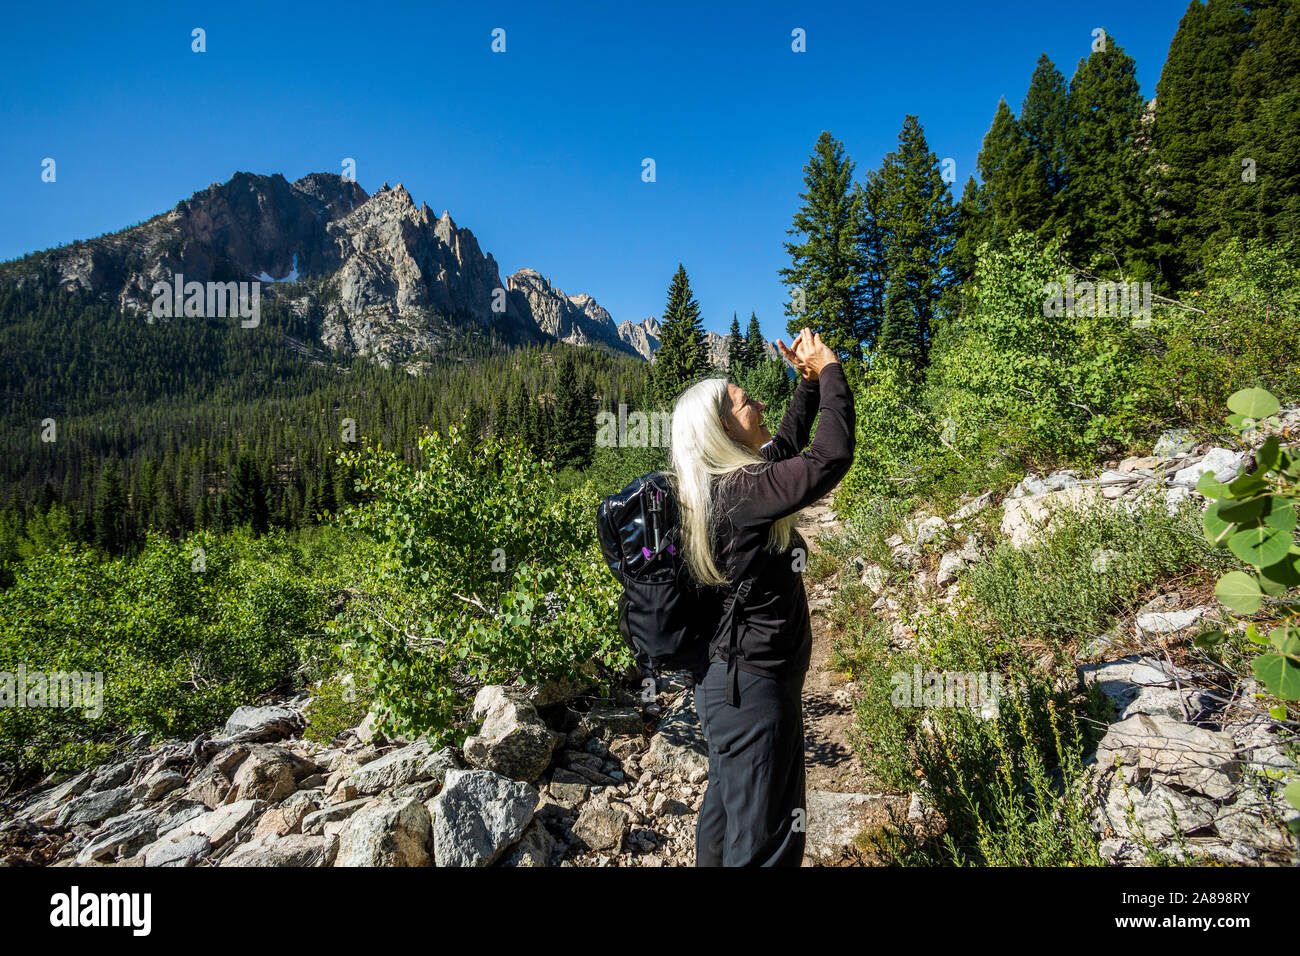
(753, 812)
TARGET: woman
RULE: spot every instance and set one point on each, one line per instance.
(740, 492)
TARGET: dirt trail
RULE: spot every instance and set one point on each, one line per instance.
(831, 761)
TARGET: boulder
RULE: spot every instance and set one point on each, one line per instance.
(295, 849)
(607, 722)
(415, 763)
(513, 740)
(1172, 753)
(1169, 622)
(119, 837)
(186, 851)
(260, 724)
(478, 815)
(266, 773)
(386, 834)
(834, 821)
(1159, 812)
(874, 578)
(223, 823)
(601, 826)
(678, 744)
(94, 807)
(1174, 443)
(1139, 685)
(1224, 464)
(1024, 518)
(534, 848)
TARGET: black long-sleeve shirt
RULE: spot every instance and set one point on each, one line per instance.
(775, 635)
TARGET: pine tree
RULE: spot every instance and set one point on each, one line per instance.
(754, 347)
(1044, 116)
(1265, 134)
(973, 227)
(736, 357)
(1013, 179)
(683, 354)
(111, 512)
(827, 268)
(871, 247)
(1102, 200)
(919, 224)
(246, 498)
(1195, 106)
(903, 335)
(575, 420)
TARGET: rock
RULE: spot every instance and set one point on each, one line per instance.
(1169, 622)
(112, 776)
(1032, 486)
(534, 848)
(292, 850)
(1173, 753)
(1159, 812)
(266, 773)
(549, 693)
(834, 821)
(257, 724)
(513, 740)
(928, 531)
(157, 786)
(186, 851)
(1139, 685)
(121, 836)
(607, 722)
(678, 745)
(282, 820)
(213, 783)
(567, 788)
(94, 807)
(314, 822)
(601, 826)
(386, 834)
(367, 731)
(1148, 464)
(1175, 442)
(949, 565)
(478, 815)
(223, 823)
(1223, 463)
(415, 763)
(1175, 498)
(973, 507)
(1025, 518)
(874, 578)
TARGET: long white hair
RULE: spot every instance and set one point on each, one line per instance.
(703, 453)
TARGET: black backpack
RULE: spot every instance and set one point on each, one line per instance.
(664, 617)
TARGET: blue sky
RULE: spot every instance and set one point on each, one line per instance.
(539, 149)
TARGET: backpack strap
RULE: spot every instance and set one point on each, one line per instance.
(731, 620)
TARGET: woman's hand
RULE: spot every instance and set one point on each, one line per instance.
(809, 356)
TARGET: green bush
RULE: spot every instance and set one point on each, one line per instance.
(1241, 331)
(182, 634)
(1053, 386)
(484, 573)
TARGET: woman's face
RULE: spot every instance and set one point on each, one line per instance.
(745, 422)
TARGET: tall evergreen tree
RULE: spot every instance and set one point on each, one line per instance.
(1044, 117)
(683, 353)
(1013, 178)
(575, 421)
(754, 350)
(827, 268)
(973, 227)
(737, 359)
(1195, 106)
(871, 248)
(112, 516)
(1103, 199)
(919, 224)
(246, 497)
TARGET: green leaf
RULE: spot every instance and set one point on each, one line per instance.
(1260, 546)
(1278, 713)
(1245, 512)
(1252, 634)
(1282, 515)
(1279, 674)
(1292, 792)
(1277, 579)
(1216, 529)
(1245, 485)
(1239, 591)
(1268, 456)
(1210, 638)
(1211, 487)
(1253, 403)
